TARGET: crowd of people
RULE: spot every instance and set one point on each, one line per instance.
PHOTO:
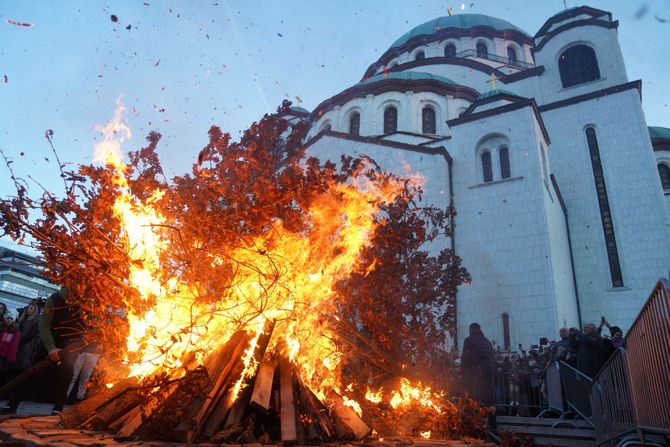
(516, 379)
(53, 329)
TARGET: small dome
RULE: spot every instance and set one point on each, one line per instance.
(406, 76)
(460, 21)
(659, 133)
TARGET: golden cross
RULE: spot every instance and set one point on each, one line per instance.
(493, 81)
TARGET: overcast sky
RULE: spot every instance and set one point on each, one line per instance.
(183, 66)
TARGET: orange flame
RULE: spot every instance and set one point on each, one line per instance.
(290, 283)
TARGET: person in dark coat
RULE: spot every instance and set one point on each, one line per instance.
(478, 368)
(478, 365)
(590, 349)
(28, 325)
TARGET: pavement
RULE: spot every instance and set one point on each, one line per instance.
(29, 408)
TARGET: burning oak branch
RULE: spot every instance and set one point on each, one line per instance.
(262, 296)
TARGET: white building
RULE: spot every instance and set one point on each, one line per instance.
(562, 199)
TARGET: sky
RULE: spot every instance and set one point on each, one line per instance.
(180, 67)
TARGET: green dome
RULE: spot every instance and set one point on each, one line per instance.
(659, 133)
(461, 21)
(406, 76)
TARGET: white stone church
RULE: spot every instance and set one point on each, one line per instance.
(561, 189)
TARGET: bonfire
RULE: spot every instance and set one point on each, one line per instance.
(264, 296)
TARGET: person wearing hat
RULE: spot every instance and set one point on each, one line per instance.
(478, 368)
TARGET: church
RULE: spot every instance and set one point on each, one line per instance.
(540, 143)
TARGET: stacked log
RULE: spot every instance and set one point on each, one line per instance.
(271, 405)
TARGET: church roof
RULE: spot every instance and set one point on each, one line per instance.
(459, 21)
(496, 92)
(659, 133)
(406, 76)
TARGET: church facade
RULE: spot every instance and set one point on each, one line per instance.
(541, 144)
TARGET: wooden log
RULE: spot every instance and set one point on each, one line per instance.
(115, 409)
(220, 400)
(25, 376)
(242, 402)
(260, 397)
(75, 415)
(316, 409)
(348, 417)
(116, 425)
(287, 415)
(215, 364)
(141, 413)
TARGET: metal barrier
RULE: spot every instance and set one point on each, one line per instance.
(577, 388)
(554, 388)
(611, 401)
(648, 353)
(519, 393)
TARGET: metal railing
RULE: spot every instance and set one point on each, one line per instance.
(554, 388)
(611, 401)
(648, 351)
(577, 387)
(631, 393)
(519, 393)
(494, 58)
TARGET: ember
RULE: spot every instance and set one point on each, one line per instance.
(243, 300)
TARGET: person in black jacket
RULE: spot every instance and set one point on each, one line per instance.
(590, 349)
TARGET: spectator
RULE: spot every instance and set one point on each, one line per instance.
(590, 350)
(83, 369)
(9, 343)
(617, 337)
(30, 340)
(478, 368)
(562, 349)
(3, 311)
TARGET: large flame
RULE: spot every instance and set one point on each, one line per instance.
(290, 282)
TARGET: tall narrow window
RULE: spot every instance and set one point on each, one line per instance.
(487, 168)
(664, 173)
(355, 124)
(390, 120)
(482, 51)
(511, 55)
(450, 50)
(605, 213)
(428, 120)
(577, 65)
(420, 55)
(505, 323)
(503, 153)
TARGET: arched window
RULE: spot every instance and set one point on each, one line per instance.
(503, 153)
(390, 120)
(487, 168)
(664, 173)
(355, 123)
(428, 120)
(420, 55)
(577, 65)
(511, 55)
(450, 50)
(482, 51)
(605, 212)
(326, 126)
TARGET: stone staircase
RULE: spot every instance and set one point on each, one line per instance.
(550, 431)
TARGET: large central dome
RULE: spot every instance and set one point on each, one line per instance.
(460, 21)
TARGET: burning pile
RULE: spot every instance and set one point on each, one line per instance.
(253, 299)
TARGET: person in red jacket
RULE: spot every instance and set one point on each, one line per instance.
(9, 344)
